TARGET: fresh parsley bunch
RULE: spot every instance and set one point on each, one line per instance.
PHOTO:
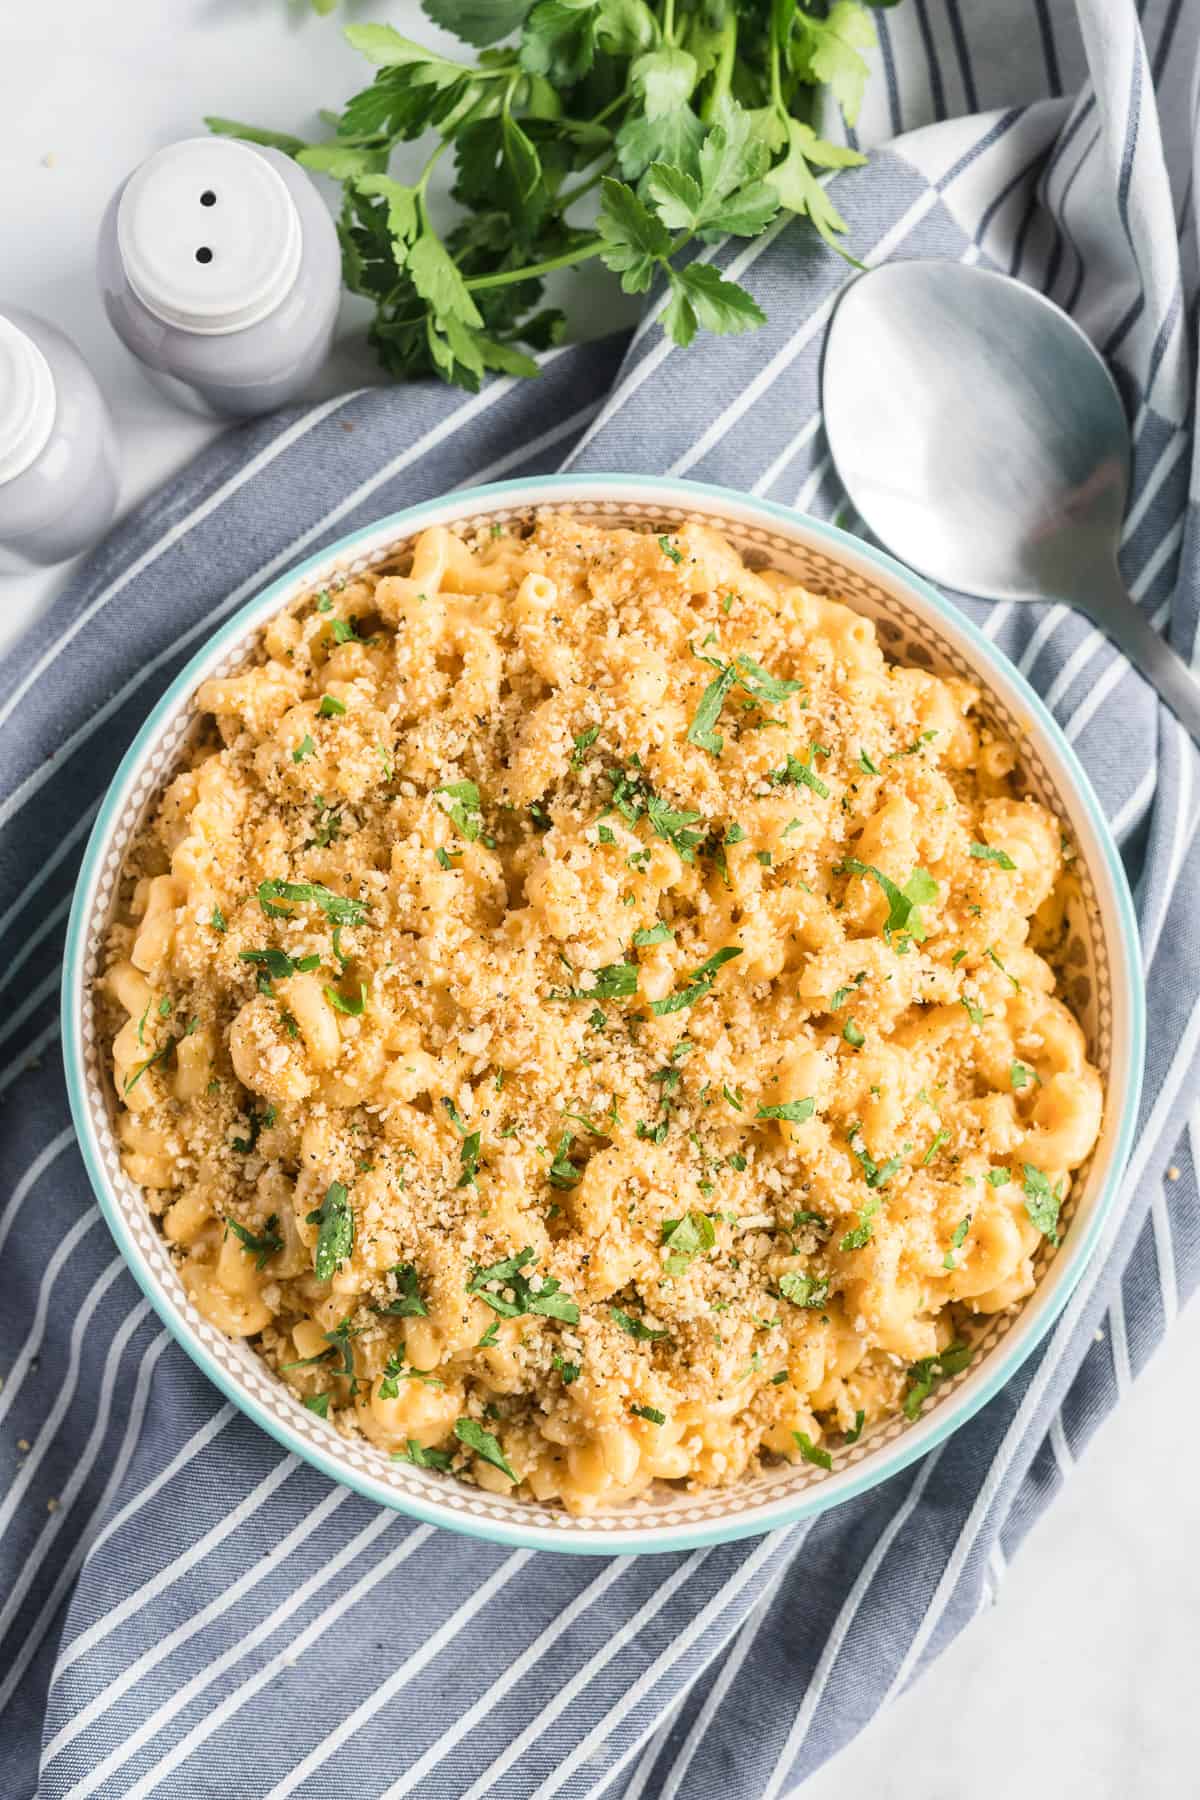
(689, 116)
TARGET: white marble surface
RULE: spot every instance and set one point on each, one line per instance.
(1080, 1683)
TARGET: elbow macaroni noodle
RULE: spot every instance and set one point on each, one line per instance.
(590, 1019)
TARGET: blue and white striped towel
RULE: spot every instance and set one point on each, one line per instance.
(184, 1610)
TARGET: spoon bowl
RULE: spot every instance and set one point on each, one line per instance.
(981, 437)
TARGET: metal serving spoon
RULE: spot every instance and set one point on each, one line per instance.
(982, 439)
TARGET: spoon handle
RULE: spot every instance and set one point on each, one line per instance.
(1110, 605)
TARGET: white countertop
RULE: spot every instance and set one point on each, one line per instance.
(1079, 1684)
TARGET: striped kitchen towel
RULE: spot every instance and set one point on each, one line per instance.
(185, 1610)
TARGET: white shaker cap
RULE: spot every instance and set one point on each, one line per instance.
(209, 235)
(27, 401)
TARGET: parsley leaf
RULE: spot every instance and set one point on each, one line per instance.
(685, 1239)
(335, 1240)
(459, 800)
(795, 1110)
(262, 1247)
(421, 1458)
(473, 1435)
(496, 1283)
(699, 983)
(634, 1328)
(924, 1375)
(804, 1290)
(958, 1238)
(904, 904)
(408, 1303)
(1042, 1202)
(987, 853)
(334, 906)
(812, 1453)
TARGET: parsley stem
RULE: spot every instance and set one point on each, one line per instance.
(507, 277)
(723, 72)
(668, 21)
(776, 87)
(427, 171)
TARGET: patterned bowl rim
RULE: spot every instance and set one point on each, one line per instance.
(727, 1514)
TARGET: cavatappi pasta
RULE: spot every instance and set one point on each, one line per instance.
(589, 1018)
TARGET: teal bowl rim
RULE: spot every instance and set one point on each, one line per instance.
(885, 1463)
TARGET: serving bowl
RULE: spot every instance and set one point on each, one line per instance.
(915, 626)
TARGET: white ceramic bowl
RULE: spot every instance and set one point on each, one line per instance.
(915, 626)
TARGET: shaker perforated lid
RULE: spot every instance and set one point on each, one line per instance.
(27, 401)
(209, 235)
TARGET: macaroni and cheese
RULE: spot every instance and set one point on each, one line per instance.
(589, 1018)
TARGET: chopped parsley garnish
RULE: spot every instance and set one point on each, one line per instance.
(865, 764)
(159, 1055)
(735, 1099)
(699, 983)
(876, 1175)
(460, 801)
(547, 1300)
(860, 1419)
(277, 964)
(669, 549)
(583, 741)
(473, 1435)
(469, 1157)
(653, 934)
(491, 1336)
(958, 1238)
(993, 958)
(974, 1011)
(324, 601)
(354, 1005)
(244, 1146)
(319, 1404)
(794, 1110)
(335, 1240)
(218, 919)
(743, 671)
(812, 1453)
(444, 859)
(925, 1375)
(570, 1371)
(261, 1247)
(408, 1303)
(344, 632)
(650, 1412)
(634, 1328)
(940, 1138)
(987, 853)
(330, 708)
(801, 1220)
(615, 981)
(796, 773)
(563, 1173)
(854, 1034)
(860, 1237)
(804, 1290)
(904, 903)
(1021, 1075)
(1042, 1202)
(685, 1239)
(998, 1177)
(304, 749)
(334, 906)
(421, 1458)
(764, 686)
